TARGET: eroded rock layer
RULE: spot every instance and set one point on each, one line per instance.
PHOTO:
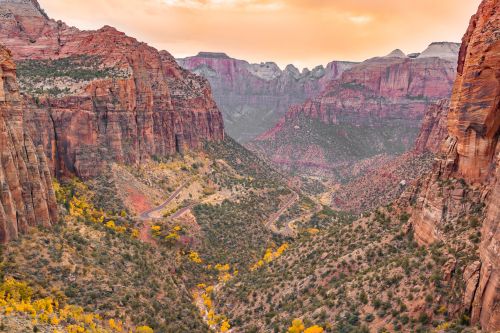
(26, 194)
(381, 101)
(101, 95)
(471, 153)
(434, 128)
(253, 97)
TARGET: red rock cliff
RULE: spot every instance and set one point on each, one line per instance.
(474, 123)
(26, 197)
(110, 96)
(434, 129)
(253, 97)
(375, 107)
(472, 153)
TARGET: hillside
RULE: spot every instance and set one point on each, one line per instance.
(426, 262)
(253, 97)
(376, 107)
(99, 96)
(135, 244)
(124, 206)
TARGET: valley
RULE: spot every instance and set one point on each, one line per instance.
(143, 193)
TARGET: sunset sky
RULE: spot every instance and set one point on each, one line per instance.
(302, 32)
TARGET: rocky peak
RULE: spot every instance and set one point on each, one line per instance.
(444, 50)
(22, 8)
(215, 55)
(253, 97)
(318, 71)
(266, 70)
(397, 53)
(293, 71)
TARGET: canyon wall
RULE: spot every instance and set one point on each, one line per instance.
(98, 96)
(434, 129)
(470, 162)
(26, 197)
(373, 108)
(253, 97)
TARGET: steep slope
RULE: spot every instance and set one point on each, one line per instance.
(253, 97)
(138, 243)
(471, 153)
(380, 180)
(434, 128)
(374, 108)
(27, 197)
(101, 95)
(426, 262)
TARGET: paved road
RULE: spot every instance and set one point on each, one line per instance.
(271, 222)
(147, 214)
(145, 217)
(289, 230)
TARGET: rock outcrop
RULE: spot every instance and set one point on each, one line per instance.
(441, 50)
(383, 98)
(27, 197)
(434, 128)
(253, 97)
(471, 153)
(101, 95)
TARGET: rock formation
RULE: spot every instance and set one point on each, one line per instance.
(380, 103)
(434, 128)
(441, 50)
(253, 97)
(471, 153)
(101, 95)
(26, 197)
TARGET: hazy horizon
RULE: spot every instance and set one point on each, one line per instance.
(304, 33)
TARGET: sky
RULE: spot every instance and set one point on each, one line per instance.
(305, 33)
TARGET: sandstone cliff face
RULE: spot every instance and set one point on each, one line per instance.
(26, 197)
(110, 97)
(253, 97)
(471, 153)
(375, 107)
(434, 128)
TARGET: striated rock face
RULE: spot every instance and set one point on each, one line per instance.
(471, 153)
(101, 95)
(474, 111)
(253, 97)
(434, 128)
(26, 195)
(383, 99)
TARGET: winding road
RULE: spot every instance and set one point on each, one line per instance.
(145, 217)
(147, 214)
(288, 230)
(271, 222)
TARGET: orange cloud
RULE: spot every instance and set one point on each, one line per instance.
(303, 32)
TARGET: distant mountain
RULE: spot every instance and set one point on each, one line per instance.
(253, 97)
(375, 107)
